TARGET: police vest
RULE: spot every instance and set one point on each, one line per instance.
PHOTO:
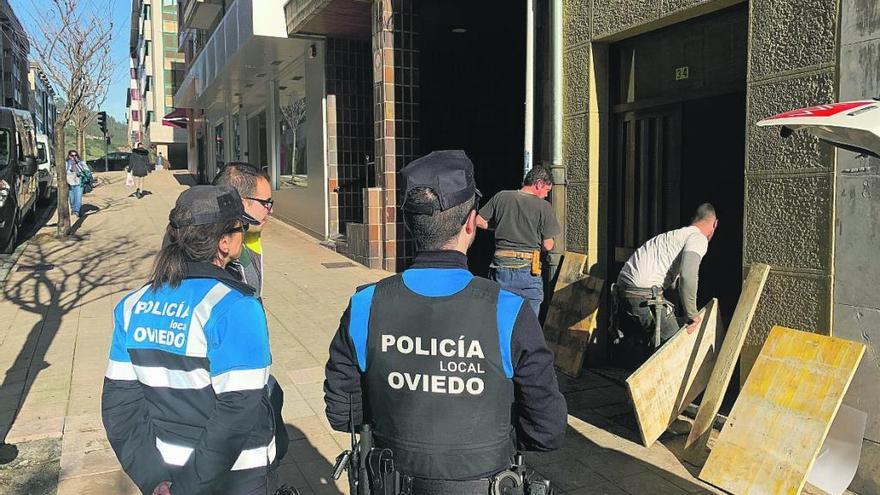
(438, 384)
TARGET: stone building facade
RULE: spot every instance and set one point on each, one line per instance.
(714, 68)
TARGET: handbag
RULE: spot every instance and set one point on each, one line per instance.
(129, 179)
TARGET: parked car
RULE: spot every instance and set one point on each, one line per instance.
(46, 174)
(116, 160)
(18, 173)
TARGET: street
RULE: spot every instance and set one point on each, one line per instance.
(55, 334)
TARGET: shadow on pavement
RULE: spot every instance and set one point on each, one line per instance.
(306, 467)
(65, 278)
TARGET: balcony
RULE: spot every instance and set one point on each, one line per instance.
(200, 14)
(250, 40)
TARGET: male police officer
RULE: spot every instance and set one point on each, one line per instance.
(185, 402)
(451, 371)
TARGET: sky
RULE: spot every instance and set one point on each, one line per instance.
(119, 12)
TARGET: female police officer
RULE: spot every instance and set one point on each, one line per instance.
(185, 403)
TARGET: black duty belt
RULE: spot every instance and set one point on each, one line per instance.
(422, 486)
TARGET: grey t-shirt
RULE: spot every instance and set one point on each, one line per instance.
(522, 221)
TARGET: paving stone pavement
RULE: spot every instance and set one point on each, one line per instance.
(55, 328)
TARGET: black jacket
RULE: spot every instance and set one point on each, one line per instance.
(139, 162)
(541, 411)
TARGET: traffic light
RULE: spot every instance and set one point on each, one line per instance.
(102, 121)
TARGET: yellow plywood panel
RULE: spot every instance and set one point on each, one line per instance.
(783, 413)
(695, 446)
(571, 316)
(673, 377)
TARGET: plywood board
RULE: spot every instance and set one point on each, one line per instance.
(673, 377)
(571, 316)
(695, 447)
(782, 416)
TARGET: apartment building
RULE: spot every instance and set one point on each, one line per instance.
(155, 72)
(15, 62)
(42, 101)
(255, 94)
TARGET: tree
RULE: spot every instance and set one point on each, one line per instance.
(72, 45)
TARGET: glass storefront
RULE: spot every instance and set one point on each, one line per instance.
(293, 166)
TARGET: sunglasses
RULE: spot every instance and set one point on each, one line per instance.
(268, 204)
(241, 228)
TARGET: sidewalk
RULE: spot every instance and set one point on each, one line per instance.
(56, 322)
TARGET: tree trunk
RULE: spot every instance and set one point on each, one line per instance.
(81, 143)
(63, 206)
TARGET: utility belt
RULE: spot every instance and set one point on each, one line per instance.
(533, 257)
(372, 471)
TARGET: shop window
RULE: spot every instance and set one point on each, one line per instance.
(293, 170)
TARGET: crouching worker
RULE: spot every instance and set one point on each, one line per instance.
(185, 402)
(449, 370)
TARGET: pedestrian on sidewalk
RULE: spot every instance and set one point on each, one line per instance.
(185, 403)
(450, 370)
(139, 166)
(74, 167)
(160, 161)
(525, 225)
(253, 186)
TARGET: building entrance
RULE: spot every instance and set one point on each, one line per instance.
(473, 92)
(678, 140)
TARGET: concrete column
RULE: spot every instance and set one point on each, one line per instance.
(272, 132)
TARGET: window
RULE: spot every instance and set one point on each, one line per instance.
(134, 72)
(135, 115)
(294, 160)
(149, 84)
(5, 147)
(146, 12)
(41, 153)
(219, 148)
(147, 44)
(236, 137)
(135, 96)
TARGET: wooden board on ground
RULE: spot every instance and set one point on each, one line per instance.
(782, 416)
(695, 447)
(673, 377)
(571, 316)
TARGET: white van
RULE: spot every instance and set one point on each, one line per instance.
(46, 164)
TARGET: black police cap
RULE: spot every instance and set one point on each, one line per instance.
(203, 205)
(449, 173)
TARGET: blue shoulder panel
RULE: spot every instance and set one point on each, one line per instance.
(436, 282)
(358, 322)
(508, 308)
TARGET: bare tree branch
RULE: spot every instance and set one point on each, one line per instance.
(71, 43)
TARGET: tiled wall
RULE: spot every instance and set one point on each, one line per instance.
(349, 129)
(395, 96)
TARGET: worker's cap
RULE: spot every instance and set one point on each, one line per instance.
(203, 205)
(449, 173)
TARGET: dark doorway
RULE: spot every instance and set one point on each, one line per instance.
(472, 89)
(678, 98)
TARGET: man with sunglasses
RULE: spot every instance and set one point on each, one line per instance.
(256, 197)
(669, 260)
(450, 370)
